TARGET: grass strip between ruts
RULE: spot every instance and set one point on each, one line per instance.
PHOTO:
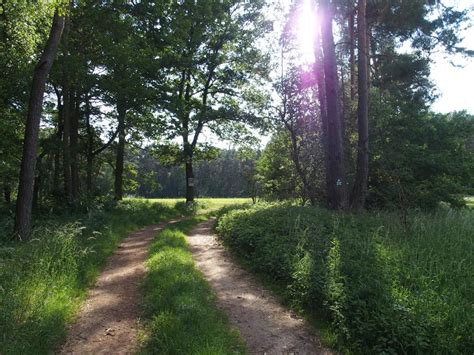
(179, 307)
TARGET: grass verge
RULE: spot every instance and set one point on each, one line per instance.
(43, 281)
(180, 315)
(383, 287)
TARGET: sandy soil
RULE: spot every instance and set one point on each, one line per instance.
(266, 326)
(108, 320)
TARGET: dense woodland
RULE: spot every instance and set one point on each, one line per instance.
(87, 86)
(358, 187)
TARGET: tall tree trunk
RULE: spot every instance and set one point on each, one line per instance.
(90, 147)
(66, 142)
(119, 163)
(67, 119)
(337, 178)
(73, 137)
(359, 192)
(320, 82)
(33, 119)
(57, 154)
(188, 156)
(352, 55)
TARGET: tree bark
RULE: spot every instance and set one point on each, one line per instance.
(90, 147)
(359, 192)
(57, 154)
(66, 142)
(352, 55)
(337, 179)
(33, 119)
(189, 182)
(119, 163)
(320, 82)
(73, 139)
(67, 120)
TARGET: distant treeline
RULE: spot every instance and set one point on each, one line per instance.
(229, 175)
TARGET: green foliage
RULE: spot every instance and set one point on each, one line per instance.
(179, 306)
(276, 171)
(230, 174)
(187, 208)
(383, 287)
(43, 281)
(420, 159)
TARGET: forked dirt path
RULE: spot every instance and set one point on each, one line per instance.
(107, 321)
(266, 326)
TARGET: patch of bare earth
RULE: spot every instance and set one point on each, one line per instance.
(107, 322)
(266, 326)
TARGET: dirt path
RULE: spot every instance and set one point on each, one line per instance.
(107, 322)
(266, 326)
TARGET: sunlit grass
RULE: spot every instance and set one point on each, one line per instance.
(42, 282)
(470, 201)
(386, 286)
(208, 204)
(180, 314)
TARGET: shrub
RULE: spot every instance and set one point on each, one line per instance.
(187, 208)
(383, 288)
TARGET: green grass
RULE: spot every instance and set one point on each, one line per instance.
(43, 281)
(209, 204)
(180, 315)
(470, 201)
(383, 287)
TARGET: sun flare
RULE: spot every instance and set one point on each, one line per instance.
(306, 27)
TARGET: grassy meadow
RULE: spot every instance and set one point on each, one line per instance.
(205, 204)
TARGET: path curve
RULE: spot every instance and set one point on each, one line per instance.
(107, 322)
(266, 326)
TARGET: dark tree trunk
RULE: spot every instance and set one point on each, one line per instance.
(33, 119)
(66, 142)
(67, 118)
(337, 179)
(359, 192)
(189, 174)
(119, 163)
(90, 147)
(320, 82)
(57, 154)
(352, 55)
(73, 139)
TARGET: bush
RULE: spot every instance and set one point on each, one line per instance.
(187, 208)
(383, 288)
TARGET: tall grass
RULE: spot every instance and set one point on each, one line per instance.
(180, 315)
(43, 281)
(385, 287)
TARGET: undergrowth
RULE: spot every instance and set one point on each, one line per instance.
(180, 314)
(382, 286)
(43, 281)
